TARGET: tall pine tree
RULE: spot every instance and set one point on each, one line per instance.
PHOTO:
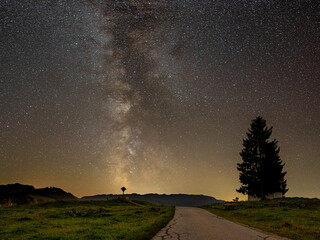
(261, 171)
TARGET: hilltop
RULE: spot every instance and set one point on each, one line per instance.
(25, 194)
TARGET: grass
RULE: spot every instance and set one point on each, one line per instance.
(295, 218)
(116, 219)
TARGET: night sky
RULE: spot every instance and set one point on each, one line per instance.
(154, 95)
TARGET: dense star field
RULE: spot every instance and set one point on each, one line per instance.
(156, 95)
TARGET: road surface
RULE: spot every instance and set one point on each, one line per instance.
(190, 223)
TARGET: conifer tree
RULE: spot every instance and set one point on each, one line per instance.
(261, 171)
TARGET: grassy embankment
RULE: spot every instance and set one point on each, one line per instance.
(115, 219)
(295, 218)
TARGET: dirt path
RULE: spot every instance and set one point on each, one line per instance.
(191, 223)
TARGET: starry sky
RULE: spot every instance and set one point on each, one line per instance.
(156, 95)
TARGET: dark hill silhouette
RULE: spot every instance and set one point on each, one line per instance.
(55, 193)
(172, 199)
(15, 188)
(25, 194)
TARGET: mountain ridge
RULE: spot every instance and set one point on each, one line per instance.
(164, 199)
(18, 194)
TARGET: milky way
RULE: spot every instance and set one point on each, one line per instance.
(156, 95)
(136, 95)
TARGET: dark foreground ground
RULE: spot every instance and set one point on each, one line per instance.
(114, 219)
(295, 218)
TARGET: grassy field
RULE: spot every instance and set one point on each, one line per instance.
(115, 219)
(295, 218)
